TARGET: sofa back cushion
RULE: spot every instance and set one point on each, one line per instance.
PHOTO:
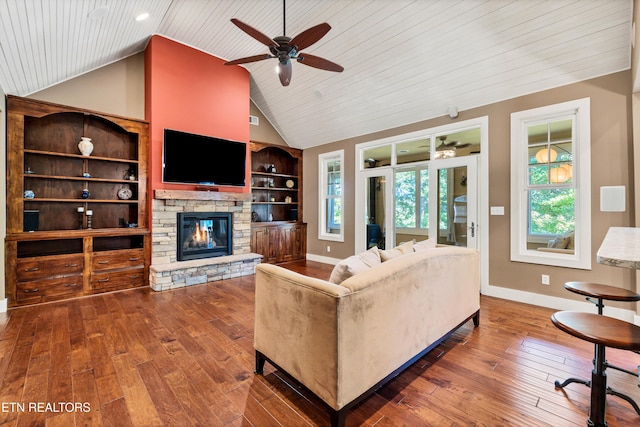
(355, 264)
(401, 249)
(424, 245)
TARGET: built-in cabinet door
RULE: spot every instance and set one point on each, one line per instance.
(279, 243)
(260, 243)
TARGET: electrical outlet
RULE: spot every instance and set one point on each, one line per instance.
(328, 248)
(545, 279)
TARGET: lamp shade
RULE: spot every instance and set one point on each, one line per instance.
(546, 155)
(559, 174)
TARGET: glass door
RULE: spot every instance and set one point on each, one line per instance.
(456, 202)
(376, 213)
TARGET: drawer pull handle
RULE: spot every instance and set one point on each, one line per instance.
(32, 269)
(70, 285)
(26, 291)
(135, 276)
(135, 258)
(103, 280)
(103, 262)
(71, 265)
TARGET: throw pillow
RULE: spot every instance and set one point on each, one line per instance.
(559, 242)
(424, 245)
(354, 265)
(401, 249)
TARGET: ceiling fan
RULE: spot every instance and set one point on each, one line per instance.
(449, 145)
(285, 48)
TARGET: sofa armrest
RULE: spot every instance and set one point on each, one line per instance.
(296, 326)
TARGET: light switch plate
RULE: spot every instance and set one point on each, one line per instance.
(497, 210)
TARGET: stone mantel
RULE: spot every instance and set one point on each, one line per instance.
(201, 195)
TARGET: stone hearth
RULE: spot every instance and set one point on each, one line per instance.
(168, 273)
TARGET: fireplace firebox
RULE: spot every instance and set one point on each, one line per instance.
(204, 235)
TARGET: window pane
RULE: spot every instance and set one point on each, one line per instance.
(333, 215)
(458, 144)
(405, 198)
(424, 198)
(538, 175)
(550, 152)
(330, 187)
(552, 211)
(443, 188)
(377, 156)
(413, 151)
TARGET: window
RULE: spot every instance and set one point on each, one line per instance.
(412, 199)
(550, 192)
(330, 167)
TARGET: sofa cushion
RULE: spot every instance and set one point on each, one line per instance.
(355, 264)
(404, 248)
(424, 245)
(560, 242)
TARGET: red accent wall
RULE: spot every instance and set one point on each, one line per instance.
(191, 91)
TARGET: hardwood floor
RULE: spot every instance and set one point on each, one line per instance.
(185, 358)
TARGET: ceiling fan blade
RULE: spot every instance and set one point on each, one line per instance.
(248, 59)
(310, 36)
(317, 62)
(254, 33)
(284, 72)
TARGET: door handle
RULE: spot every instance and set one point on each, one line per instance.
(473, 229)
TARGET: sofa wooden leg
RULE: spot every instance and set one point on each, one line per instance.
(338, 417)
(259, 363)
(476, 318)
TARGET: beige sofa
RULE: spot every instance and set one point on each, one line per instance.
(343, 341)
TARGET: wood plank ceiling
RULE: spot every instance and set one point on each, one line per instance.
(405, 61)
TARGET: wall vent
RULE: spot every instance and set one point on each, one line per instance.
(254, 120)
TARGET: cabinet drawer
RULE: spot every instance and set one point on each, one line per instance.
(112, 260)
(49, 266)
(48, 289)
(119, 279)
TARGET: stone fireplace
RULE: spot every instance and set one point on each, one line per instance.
(167, 270)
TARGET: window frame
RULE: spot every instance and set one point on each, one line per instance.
(323, 180)
(579, 110)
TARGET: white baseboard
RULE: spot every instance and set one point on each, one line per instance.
(323, 259)
(559, 303)
(3, 305)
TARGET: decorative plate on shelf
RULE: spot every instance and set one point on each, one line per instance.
(289, 183)
(124, 194)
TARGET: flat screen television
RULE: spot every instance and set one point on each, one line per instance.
(203, 160)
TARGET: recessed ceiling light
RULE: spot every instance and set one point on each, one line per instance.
(99, 12)
(142, 16)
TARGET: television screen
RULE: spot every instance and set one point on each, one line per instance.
(202, 160)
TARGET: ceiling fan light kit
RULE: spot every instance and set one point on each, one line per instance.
(286, 48)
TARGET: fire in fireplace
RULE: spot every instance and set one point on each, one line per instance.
(204, 235)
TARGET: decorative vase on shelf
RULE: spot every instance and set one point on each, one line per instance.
(85, 146)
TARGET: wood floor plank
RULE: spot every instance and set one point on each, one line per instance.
(185, 358)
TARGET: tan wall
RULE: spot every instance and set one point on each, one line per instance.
(117, 88)
(264, 132)
(612, 164)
